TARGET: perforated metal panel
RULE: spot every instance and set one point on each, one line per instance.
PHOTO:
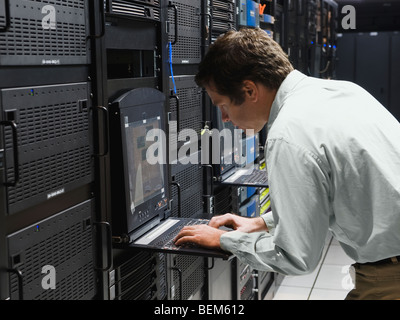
(54, 141)
(63, 241)
(190, 180)
(223, 200)
(188, 41)
(190, 111)
(51, 32)
(187, 277)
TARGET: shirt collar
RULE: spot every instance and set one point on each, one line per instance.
(291, 81)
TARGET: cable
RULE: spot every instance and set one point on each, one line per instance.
(170, 65)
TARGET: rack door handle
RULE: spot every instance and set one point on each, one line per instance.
(107, 226)
(105, 132)
(173, 6)
(103, 24)
(20, 279)
(13, 127)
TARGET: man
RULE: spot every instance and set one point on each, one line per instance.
(333, 162)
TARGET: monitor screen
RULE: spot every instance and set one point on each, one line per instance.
(139, 173)
(146, 180)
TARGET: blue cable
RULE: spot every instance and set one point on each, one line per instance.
(170, 65)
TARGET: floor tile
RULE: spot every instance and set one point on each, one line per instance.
(292, 293)
(335, 277)
(327, 294)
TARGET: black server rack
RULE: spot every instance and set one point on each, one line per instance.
(137, 277)
(185, 277)
(41, 34)
(289, 43)
(63, 242)
(328, 38)
(186, 113)
(223, 17)
(47, 149)
(185, 49)
(302, 45)
(132, 54)
(244, 281)
(313, 46)
(187, 190)
(53, 142)
(265, 285)
(185, 33)
(223, 200)
(279, 22)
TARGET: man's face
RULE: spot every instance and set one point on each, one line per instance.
(251, 114)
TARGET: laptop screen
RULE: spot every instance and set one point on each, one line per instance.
(146, 180)
(139, 173)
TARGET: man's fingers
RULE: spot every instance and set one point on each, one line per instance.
(187, 231)
(184, 239)
(219, 221)
(202, 235)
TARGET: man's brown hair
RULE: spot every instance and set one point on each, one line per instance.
(248, 54)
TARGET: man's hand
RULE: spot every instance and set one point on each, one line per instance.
(209, 235)
(239, 223)
(201, 234)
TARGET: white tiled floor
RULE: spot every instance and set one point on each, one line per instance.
(330, 280)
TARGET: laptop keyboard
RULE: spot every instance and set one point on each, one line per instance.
(166, 241)
(255, 178)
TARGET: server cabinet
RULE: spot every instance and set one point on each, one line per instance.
(187, 190)
(185, 277)
(136, 276)
(355, 53)
(185, 47)
(131, 54)
(52, 33)
(62, 243)
(373, 47)
(53, 141)
(184, 20)
(47, 145)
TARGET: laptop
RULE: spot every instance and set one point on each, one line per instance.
(161, 239)
(251, 177)
(236, 156)
(140, 194)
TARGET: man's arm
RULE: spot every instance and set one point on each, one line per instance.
(209, 235)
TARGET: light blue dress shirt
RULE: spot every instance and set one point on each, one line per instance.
(333, 162)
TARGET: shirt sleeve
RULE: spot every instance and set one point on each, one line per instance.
(299, 192)
(269, 221)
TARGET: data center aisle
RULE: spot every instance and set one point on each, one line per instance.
(330, 281)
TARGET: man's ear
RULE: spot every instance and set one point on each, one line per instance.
(250, 89)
